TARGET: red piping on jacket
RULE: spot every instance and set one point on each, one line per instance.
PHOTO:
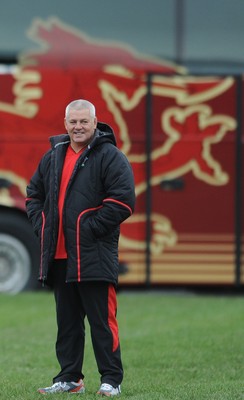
(78, 238)
(120, 203)
(78, 230)
(42, 240)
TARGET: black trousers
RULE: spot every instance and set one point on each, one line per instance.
(96, 301)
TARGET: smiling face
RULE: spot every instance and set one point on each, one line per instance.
(80, 126)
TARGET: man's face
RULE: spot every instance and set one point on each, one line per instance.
(80, 127)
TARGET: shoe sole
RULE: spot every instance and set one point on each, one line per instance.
(67, 391)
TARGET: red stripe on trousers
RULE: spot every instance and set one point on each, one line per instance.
(112, 310)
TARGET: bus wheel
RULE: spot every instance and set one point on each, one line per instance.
(19, 253)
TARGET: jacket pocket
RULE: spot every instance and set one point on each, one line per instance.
(86, 243)
(83, 226)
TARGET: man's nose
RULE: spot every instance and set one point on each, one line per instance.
(78, 125)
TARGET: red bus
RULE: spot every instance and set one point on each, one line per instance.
(182, 134)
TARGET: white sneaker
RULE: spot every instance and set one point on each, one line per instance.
(108, 390)
(59, 387)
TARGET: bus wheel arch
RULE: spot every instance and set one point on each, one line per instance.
(19, 252)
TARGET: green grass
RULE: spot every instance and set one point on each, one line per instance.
(179, 347)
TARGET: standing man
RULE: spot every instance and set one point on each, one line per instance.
(81, 192)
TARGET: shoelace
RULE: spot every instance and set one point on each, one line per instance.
(59, 384)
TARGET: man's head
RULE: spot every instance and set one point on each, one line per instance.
(80, 122)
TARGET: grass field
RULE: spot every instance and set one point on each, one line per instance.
(174, 346)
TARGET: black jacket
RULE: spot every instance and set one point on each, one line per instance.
(99, 197)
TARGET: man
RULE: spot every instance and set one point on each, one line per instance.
(81, 192)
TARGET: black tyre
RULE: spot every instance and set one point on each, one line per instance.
(19, 253)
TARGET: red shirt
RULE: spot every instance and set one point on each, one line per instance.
(69, 164)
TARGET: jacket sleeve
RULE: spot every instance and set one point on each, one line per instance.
(119, 201)
(35, 199)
